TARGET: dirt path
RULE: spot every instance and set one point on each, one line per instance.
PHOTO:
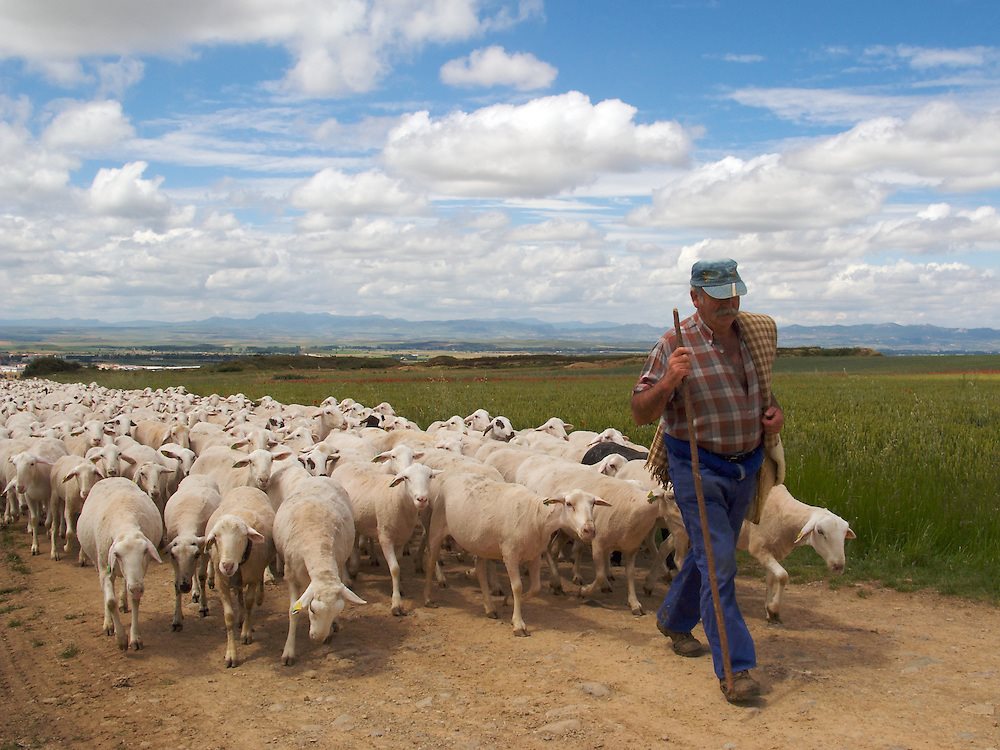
(858, 667)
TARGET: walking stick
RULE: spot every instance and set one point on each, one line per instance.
(720, 621)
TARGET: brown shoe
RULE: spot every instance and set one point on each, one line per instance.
(745, 687)
(684, 644)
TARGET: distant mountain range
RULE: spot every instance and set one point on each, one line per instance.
(321, 330)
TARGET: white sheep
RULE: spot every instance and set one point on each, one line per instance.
(33, 480)
(314, 534)
(231, 468)
(241, 543)
(478, 421)
(72, 478)
(624, 526)
(119, 528)
(185, 518)
(503, 521)
(386, 508)
(787, 523)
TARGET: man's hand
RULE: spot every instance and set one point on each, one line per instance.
(773, 420)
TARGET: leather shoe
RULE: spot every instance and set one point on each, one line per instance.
(745, 687)
(684, 644)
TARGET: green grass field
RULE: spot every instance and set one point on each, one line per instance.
(906, 449)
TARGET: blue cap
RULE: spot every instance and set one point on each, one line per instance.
(718, 278)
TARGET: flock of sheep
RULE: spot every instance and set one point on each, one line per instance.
(232, 490)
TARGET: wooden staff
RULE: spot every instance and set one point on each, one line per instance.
(720, 621)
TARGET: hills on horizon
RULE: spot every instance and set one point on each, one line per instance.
(324, 330)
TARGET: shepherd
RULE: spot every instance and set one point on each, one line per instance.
(724, 361)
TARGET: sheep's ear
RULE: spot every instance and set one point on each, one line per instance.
(255, 536)
(240, 463)
(419, 454)
(129, 459)
(281, 455)
(381, 458)
(151, 549)
(399, 478)
(551, 500)
(350, 596)
(806, 531)
(9, 486)
(303, 601)
(72, 475)
(850, 534)
(435, 472)
(601, 501)
(112, 556)
(567, 426)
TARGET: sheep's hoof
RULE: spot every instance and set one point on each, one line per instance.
(431, 605)
(203, 612)
(232, 662)
(773, 618)
(606, 588)
(647, 591)
(495, 616)
(195, 597)
(247, 639)
(175, 626)
(638, 611)
(521, 632)
(34, 551)
(578, 580)
(399, 611)
(442, 584)
(136, 645)
(498, 592)
(287, 661)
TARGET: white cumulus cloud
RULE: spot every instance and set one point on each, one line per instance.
(535, 149)
(88, 126)
(494, 66)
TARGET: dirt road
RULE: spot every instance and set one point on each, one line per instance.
(857, 667)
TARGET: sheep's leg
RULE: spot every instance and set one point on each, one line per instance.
(55, 512)
(555, 579)
(516, 589)
(577, 559)
(112, 622)
(438, 530)
(200, 594)
(389, 552)
(633, 601)
(229, 613)
(425, 523)
(178, 622)
(535, 577)
(600, 582)
(658, 563)
(34, 521)
(483, 576)
(134, 639)
(288, 654)
(70, 528)
(776, 580)
(250, 600)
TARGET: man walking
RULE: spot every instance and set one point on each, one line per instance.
(726, 359)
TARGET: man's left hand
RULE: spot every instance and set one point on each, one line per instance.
(773, 420)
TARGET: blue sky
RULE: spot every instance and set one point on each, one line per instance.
(457, 159)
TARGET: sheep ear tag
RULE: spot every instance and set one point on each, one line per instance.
(297, 607)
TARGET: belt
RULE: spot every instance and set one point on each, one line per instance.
(736, 457)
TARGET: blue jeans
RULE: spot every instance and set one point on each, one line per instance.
(689, 598)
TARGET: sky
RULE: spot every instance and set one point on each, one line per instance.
(561, 160)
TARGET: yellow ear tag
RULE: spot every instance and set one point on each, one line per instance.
(650, 497)
(297, 607)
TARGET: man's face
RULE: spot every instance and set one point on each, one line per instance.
(717, 313)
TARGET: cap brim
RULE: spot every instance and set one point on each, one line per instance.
(725, 291)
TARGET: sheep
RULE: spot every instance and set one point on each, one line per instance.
(8, 475)
(603, 449)
(185, 518)
(478, 421)
(232, 468)
(108, 458)
(33, 479)
(241, 543)
(119, 529)
(786, 523)
(71, 480)
(503, 521)
(314, 534)
(386, 511)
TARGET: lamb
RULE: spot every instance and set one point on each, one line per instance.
(71, 480)
(119, 529)
(385, 510)
(314, 534)
(503, 521)
(786, 523)
(185, 518)
(241, 543)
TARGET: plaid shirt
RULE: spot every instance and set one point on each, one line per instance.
(727, 416)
